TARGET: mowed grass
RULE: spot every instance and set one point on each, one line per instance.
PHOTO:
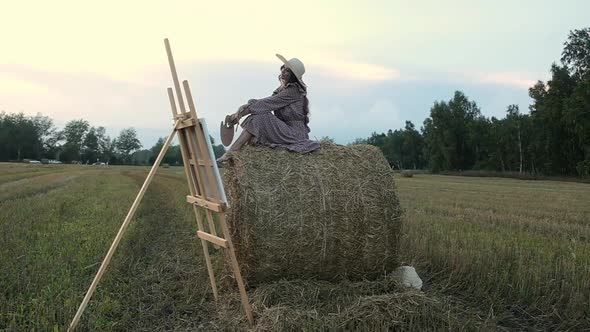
(55, 230)
(518, 248)
(515, 252)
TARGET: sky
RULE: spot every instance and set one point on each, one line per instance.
(370, 65)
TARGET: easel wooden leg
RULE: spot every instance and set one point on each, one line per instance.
(236, 269)
(211, 223)
(206, 252)
(115, 243)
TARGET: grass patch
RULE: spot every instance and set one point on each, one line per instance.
(49, 243)
(509, 245)
(494, 254)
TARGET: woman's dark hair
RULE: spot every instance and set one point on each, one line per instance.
(293, 79)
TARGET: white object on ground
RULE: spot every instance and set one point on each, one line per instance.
(408, 277)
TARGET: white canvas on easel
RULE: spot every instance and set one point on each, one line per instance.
(223, 198)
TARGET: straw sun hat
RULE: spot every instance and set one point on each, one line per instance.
(296, 67)
(227, 129)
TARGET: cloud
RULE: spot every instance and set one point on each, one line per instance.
(19, 86)
(507, 79)
(18, 94)
(517, 80)
(357, 71)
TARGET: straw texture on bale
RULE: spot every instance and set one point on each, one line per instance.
(378, 305)
(332, 214)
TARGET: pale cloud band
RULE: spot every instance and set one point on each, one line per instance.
(356, 71)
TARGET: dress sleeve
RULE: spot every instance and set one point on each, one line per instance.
(277, 101)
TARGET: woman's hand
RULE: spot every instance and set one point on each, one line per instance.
(241, 112)
(233, 118)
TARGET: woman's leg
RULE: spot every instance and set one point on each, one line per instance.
(244, 138)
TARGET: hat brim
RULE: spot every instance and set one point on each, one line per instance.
(227, 133)
(288, 65)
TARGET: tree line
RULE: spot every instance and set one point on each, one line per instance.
(36, 137)
(553, 138)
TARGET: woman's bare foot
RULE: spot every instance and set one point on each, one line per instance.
(225, 157)
(244, 138)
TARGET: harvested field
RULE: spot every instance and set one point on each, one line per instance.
(514, 246)
(494, 254)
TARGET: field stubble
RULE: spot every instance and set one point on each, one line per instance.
(494, 254)
(519, 248)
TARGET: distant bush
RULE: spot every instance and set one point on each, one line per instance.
(407, 174)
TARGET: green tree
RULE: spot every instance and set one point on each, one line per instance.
(393, 148)
(413, 144)
(327, 139)
(45, 131)
(577, 117)
(576, 56)
(90, 146)
(54, 144)
(555, 153)
(576, 52)
(450, 136)
(359, 140)
(105, 145)
(141, 157)
(170, 157)
(377, 140)
(74, 133)
(126, 143)
(19, 137)
(218, 150)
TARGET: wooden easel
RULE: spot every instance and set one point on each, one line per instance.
(205, 187)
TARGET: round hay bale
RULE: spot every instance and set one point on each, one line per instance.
(407, 174)
(332, 214)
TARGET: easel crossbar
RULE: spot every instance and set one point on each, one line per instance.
(212, 238)
(186, 123)
(215, 207)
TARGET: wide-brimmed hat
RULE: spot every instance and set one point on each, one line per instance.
(296, 67)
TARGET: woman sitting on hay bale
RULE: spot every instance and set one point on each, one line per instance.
(287, 128)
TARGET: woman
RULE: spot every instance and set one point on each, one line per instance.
(288, 126)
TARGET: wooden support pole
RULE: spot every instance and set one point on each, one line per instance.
(236, 269)
(174, 76)
(172, 103)
(206, 253)
(212, 238)
(211, 222)
(115, 243)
